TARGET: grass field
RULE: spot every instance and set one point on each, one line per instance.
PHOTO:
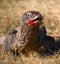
(10, 16)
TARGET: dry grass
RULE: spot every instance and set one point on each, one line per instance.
(11, 12)
(32, 58)
(10, 17)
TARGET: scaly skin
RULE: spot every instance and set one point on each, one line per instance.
(27, 32)
(28, 35)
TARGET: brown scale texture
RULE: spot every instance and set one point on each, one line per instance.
(28, 37)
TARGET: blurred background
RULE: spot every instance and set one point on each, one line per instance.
(11, 12)
(10, 16)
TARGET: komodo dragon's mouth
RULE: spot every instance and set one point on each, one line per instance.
(36, 19)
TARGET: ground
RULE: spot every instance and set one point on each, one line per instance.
(10, 17)
(32, 58)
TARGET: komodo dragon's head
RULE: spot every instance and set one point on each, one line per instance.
(32, 18)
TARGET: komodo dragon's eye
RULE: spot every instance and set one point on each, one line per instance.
(28, 14)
